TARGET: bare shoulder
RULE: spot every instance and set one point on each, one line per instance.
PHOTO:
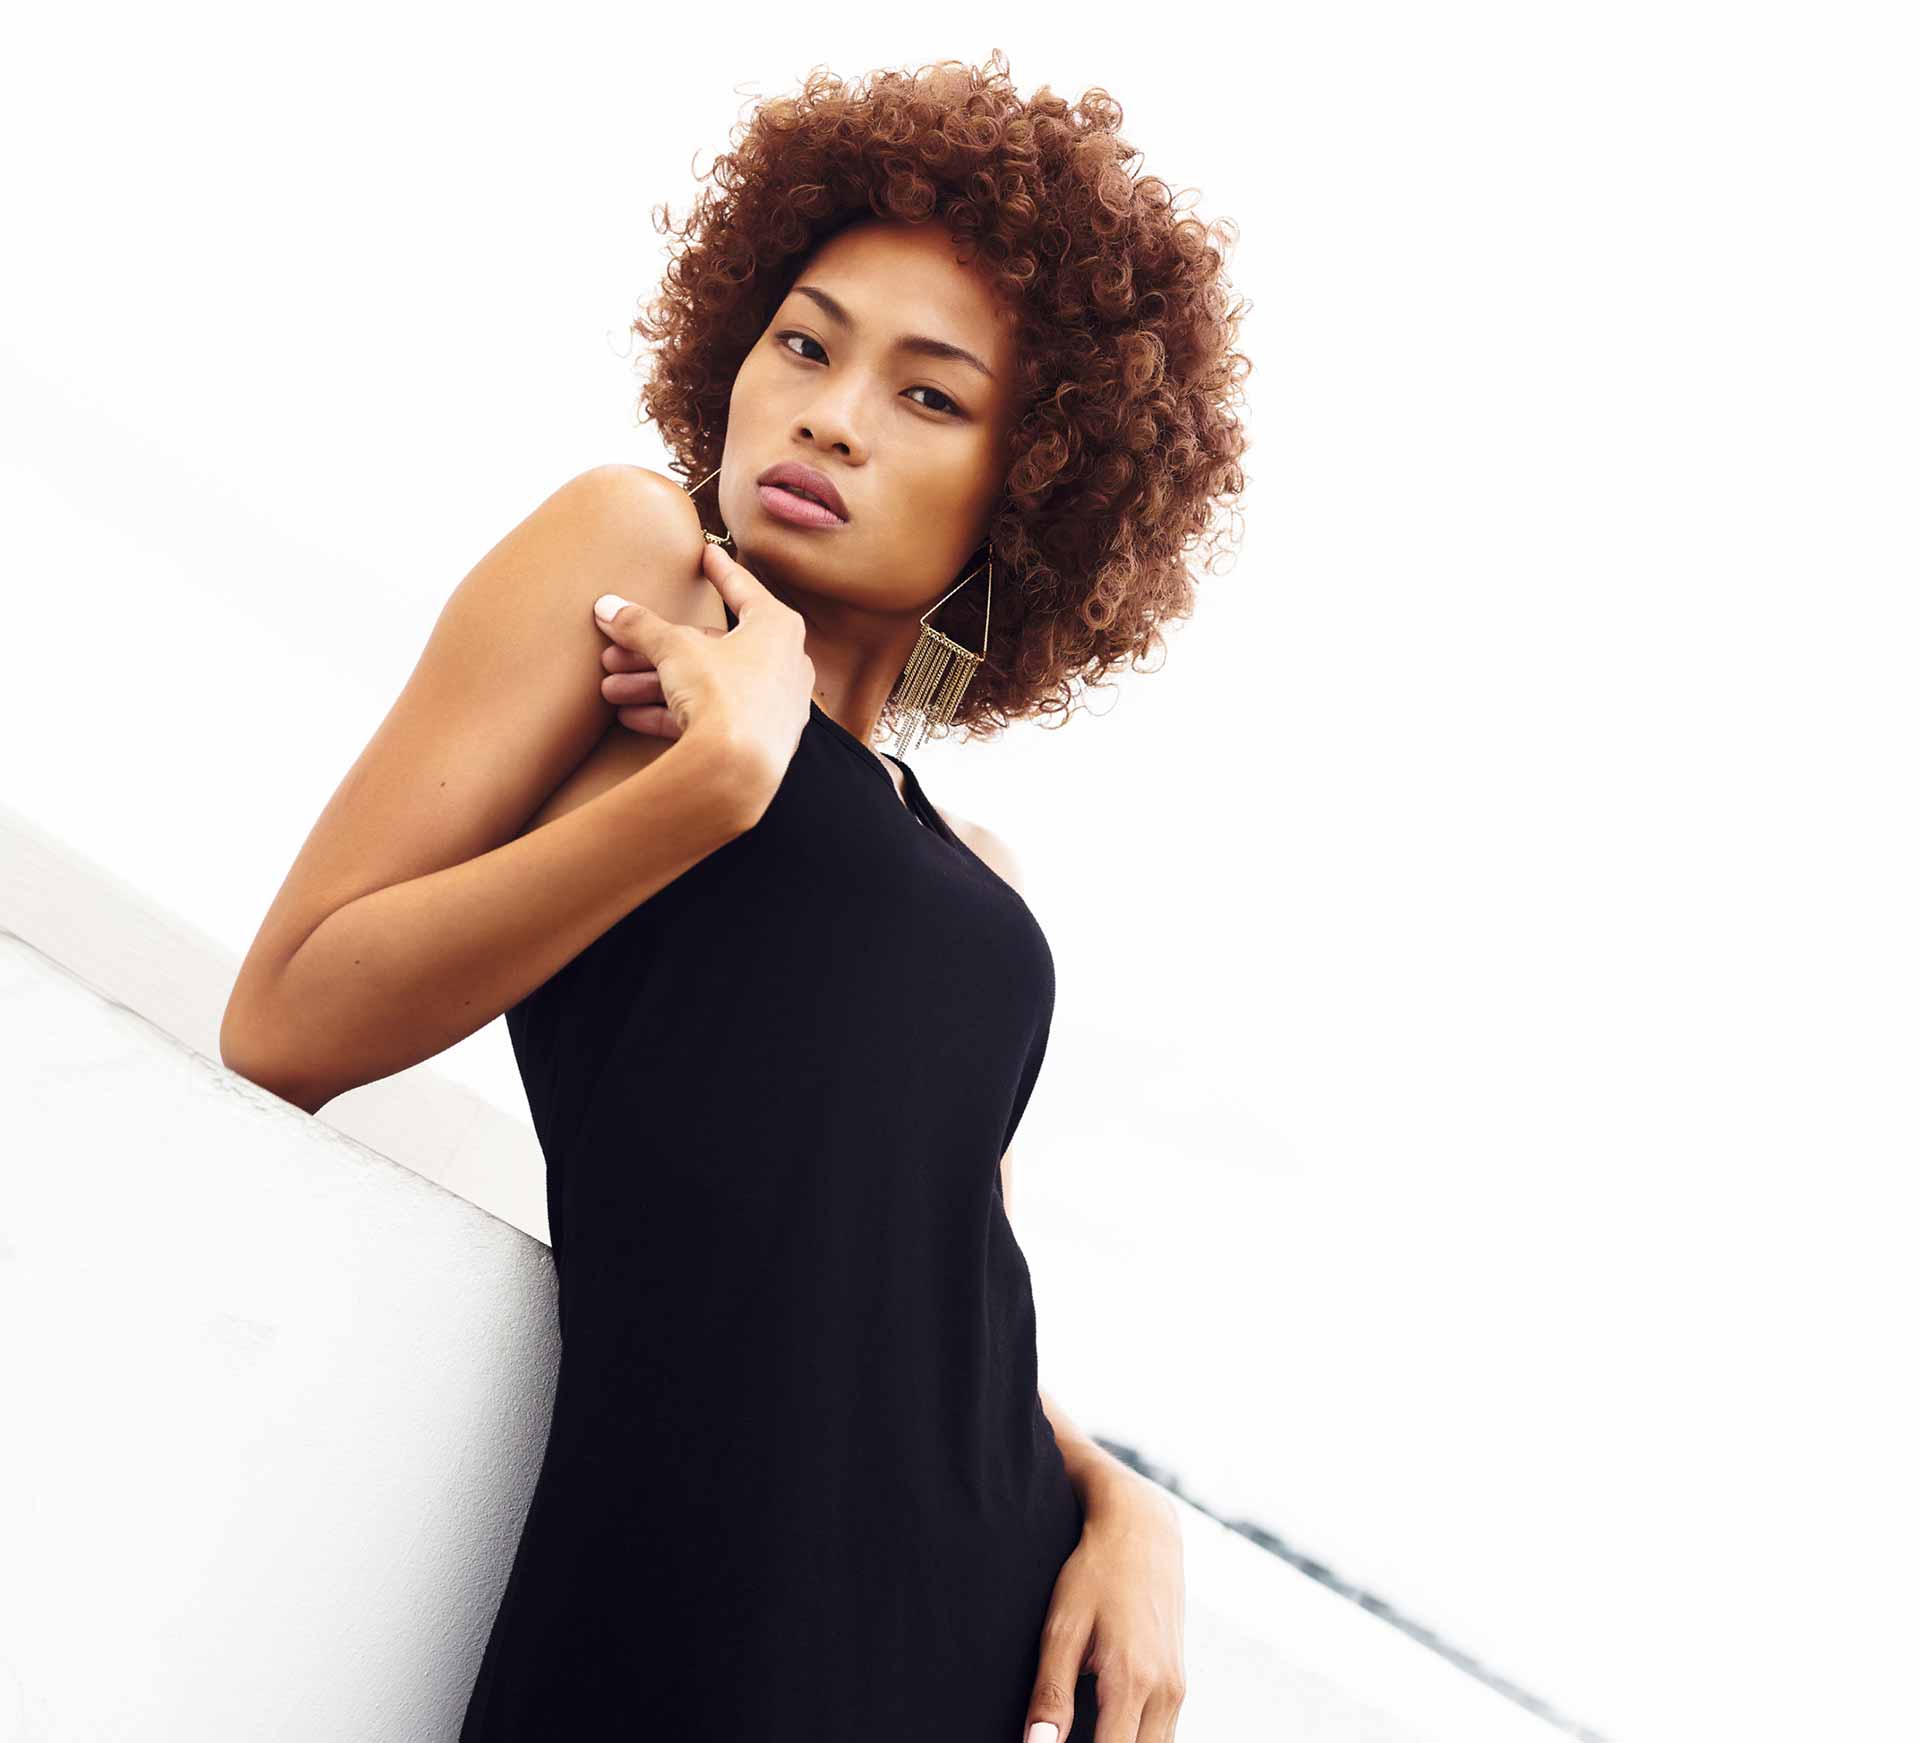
(502, 705)
(638, 526)
(621, 481)
(991, 847)
(637, 501)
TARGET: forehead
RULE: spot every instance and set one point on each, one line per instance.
(898, 277)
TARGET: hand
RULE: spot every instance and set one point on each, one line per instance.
(1118, 1610)
(633, 686)
(747, 688)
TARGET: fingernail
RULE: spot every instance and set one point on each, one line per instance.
(609, 605)
(1044, 1731)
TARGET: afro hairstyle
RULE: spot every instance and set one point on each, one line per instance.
(1126, 437)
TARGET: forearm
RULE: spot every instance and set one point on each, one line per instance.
(1097, 1476)
(400, 974)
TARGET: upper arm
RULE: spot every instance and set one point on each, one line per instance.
(504, 701)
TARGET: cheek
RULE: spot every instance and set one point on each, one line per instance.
(748, 384)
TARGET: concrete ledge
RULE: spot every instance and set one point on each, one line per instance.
(282, 1399)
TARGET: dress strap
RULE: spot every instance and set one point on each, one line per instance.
(917, 799)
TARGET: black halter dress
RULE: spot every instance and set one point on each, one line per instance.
(798, 1483)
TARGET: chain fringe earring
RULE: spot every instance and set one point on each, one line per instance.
(934, 679)
(711, 538)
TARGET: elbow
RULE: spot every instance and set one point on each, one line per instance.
(237, 1050)
(246, 1051)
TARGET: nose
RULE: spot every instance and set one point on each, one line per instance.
(829, 422)
(823, 434)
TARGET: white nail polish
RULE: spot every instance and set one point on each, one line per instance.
(609, 605)
(1044, 1731)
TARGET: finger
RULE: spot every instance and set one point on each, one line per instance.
(627, 688)
(618, 659)
(1120, 1704)
(632, 624)
(1158, 1716)
(1051, 1703)
(736, 584)
(657, 720)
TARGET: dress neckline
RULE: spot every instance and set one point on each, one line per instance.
(915, 801)
(916, 804)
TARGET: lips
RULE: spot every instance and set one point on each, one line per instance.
(791, 475)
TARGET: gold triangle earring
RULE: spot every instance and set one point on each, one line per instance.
(711, 538)
(937, 674)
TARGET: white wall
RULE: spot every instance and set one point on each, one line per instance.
(278, 1401)
(1479, 1140)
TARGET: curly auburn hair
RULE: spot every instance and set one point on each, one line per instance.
(1125, 436)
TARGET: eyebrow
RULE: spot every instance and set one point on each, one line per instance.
(918, 343)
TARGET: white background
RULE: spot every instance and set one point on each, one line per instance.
(1478, 1137)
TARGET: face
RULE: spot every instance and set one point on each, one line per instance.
(914, 441)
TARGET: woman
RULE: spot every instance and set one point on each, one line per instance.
(777, 1015)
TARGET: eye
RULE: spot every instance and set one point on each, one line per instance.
(946, 407)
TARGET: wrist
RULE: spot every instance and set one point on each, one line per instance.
(1107, 1486)
(732, 779)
